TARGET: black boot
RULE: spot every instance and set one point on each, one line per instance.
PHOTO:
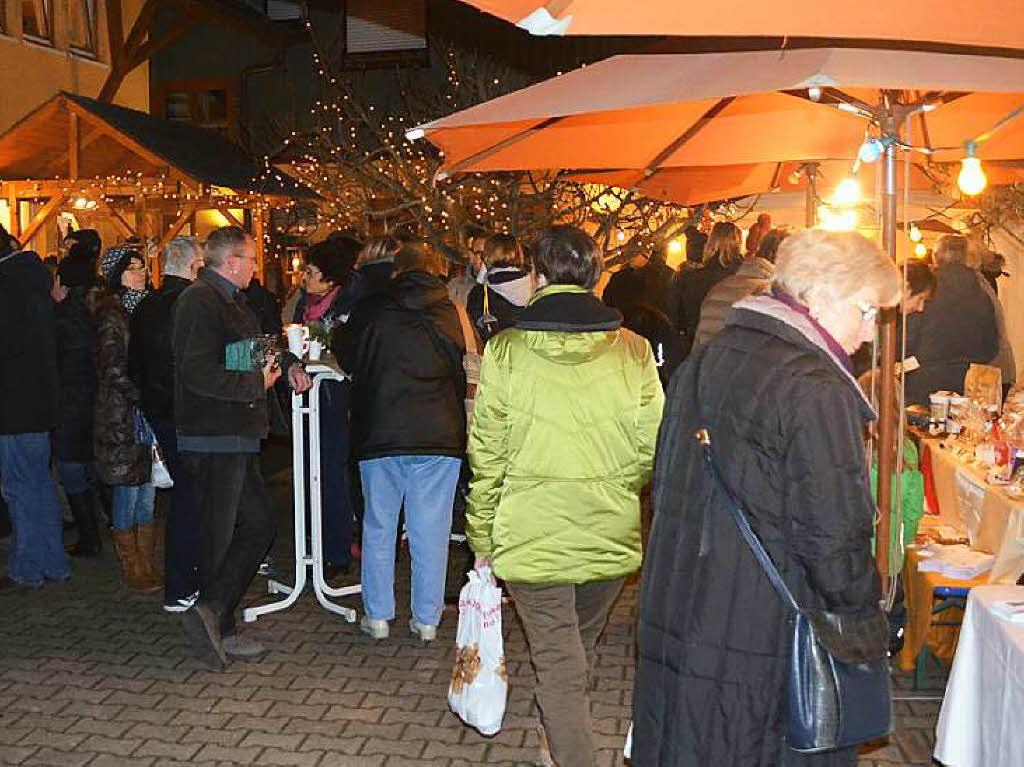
(83, 509)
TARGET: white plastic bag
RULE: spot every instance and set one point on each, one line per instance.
(479, 685)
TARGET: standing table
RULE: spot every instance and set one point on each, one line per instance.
(308, 556)
(979, 724)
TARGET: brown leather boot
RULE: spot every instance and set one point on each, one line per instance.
(128, 555)
(145, 536)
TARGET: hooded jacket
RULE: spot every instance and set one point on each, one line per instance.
(404, 349)
(786, 421)
(76, 344)
(562, 442)
(28, 346)
(508, 291)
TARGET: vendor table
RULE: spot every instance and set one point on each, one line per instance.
(306, 409)
(918, 588)
(963, 493)
(979, 724)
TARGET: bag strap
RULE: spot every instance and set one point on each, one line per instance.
(703, 436)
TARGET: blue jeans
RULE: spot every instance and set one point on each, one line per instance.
(37, 547)
(74, 475)
(426, 483)
(133, 505)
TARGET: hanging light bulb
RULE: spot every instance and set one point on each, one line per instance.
(675, 247)
(847, 193)
(814, 93)
(915, 233)
(870, 151)
(972, 178)
(920, 250)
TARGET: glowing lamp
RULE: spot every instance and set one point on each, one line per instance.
(972, 178)
(814, 93)
(870, 151)
(675, 247)
(847, 193)
(915, 233)
(920, 250)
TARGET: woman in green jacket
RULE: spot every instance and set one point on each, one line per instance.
(561, 444)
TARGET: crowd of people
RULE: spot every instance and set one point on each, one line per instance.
(510, 394)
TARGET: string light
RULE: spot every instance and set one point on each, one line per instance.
(847, 194)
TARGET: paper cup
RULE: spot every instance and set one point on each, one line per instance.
(298, 339)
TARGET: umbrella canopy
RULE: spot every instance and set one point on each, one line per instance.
(701, 184)
(676, 110)
(993, 23)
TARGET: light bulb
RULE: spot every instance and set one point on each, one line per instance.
(847, 193)
(675, 246)
(972, 178)
(870, 151)
(920, 250)
(915, 233)
(814, 93)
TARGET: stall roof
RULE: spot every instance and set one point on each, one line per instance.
(116, 141)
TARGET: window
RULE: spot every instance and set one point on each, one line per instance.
(209, 103)
(36, 19)
(82, 25)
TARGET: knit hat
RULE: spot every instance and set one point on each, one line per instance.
(76, 269)
(115, 261)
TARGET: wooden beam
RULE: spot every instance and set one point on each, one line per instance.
(61, 161)
(259, 228)
(226, 212)
(45, 214)
(154, 44)
(177, 226)
(119, 221)
(142, 27)
(118, 60)
(74, 146)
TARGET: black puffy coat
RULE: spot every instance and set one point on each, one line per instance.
(649, 284)
(405, 349)
(691, 288)
(957, 327)
(786, 421)
(120, 459)
(150, 356)
(76, 361)
(28, 346)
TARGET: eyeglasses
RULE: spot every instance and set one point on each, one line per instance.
(136, 268)
(868, 313)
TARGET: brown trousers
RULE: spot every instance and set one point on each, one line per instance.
(562, 624)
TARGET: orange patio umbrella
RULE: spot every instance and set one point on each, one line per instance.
(992, 23)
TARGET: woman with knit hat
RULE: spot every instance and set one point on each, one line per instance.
(123, 459)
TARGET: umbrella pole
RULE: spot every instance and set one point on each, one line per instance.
(887, 430)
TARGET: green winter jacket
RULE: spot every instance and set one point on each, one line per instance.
(561, 442)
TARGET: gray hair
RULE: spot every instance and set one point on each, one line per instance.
(179, 254)
(224, 242)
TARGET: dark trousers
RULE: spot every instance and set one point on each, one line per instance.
(335, 486)
(562, 625)
(235, 527)
(181, 542)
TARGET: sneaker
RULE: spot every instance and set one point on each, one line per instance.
(181, 604)
(378, 629)
(422, 630)
(203, 636)
(240, 648)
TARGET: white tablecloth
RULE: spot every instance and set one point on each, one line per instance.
(981, 723)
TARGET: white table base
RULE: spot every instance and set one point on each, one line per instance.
(312, 556)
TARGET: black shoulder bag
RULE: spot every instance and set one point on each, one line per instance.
(838, 690)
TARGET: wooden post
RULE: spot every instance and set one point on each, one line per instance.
(259, 228)
(12, 205)
(74, 144)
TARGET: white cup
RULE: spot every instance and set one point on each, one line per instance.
(315, 350)
(298, 339)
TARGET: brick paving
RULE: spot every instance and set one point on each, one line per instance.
(91, 675)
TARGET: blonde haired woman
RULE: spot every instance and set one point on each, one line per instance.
(723, 255)
(960, 325)
(785, 416)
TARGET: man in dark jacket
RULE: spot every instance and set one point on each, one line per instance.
(28, 411)
(642, 281)
(404, 349)
(221, 416)
(76, 359)
(151, 367)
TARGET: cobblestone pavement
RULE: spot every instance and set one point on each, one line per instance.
(90, 675)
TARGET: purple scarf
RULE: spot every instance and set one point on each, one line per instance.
(833, 345)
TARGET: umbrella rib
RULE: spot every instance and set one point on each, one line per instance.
(692, 131)
(494, 149)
